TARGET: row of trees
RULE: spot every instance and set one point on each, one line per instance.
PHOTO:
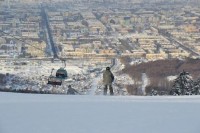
(159, 75)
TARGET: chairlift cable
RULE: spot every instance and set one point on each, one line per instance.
(52, 80)
(8, 34)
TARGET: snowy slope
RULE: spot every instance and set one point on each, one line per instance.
(27, 113)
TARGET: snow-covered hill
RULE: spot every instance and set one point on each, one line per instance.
(27, 113)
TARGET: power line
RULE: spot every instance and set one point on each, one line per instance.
(8, 34)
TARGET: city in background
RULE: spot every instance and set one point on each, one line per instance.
(91, 35)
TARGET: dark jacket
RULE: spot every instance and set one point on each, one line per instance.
(71, 91)
(108, 77)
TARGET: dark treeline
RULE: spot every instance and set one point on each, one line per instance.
(158, 71)
(28, 91)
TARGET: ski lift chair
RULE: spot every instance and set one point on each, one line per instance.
(61, 73)
(54, 80)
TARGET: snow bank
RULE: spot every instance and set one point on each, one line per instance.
(171, 78)
(27, 113)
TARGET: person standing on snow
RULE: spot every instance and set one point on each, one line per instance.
(71, 91)
(108, 78)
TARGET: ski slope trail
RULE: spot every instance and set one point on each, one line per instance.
(144, 83)
(94, 85)
(29, 113)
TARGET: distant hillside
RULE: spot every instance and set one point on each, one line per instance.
(157, 71)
